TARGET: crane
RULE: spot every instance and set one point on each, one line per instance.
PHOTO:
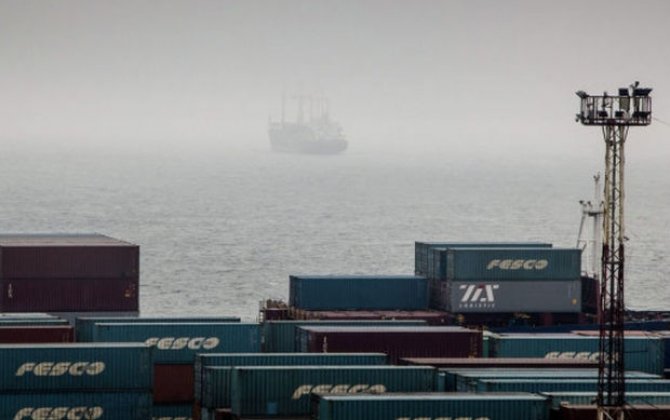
(614, 115)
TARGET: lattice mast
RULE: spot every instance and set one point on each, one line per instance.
(615, 115)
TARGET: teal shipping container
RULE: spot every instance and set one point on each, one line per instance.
(589, 398)
(465, 380)
(220, 378)
(477, 264)
(281, 336)
(552, 385)
(644, 354)
(179, 343)
(172, 412)
(76, 405)
(433, 406)
(285, 391)
(75, 367)
(333, 293)
(83, 326)
(423, 250)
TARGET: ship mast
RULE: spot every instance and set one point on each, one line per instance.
(615, 115)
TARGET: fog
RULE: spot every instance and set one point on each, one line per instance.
(453, 78)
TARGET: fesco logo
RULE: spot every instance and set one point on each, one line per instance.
(59, 413)
(518, 264)
(181, 343)
(443, 418)
(61, 368)
(303, 390)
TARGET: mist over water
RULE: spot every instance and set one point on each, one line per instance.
(218, 233)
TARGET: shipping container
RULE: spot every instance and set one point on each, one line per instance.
(643, 354)
(432, 406)
(552, 385)
(69, 294)
(482, 264)
(465, 380)
(61, 367)
(17, 322)
(431, 317)
(172, 412)
(76, 405)
(277, 391)
(280, 336)
(67, 256)
(36, 334)
(492, 362)
(635, 411)
(173, 384)
(423, 250)
(84, 324)
(507, 296)
(179, 343)
(588, 398)
(358, 292)
(220, 379)
(396, 342)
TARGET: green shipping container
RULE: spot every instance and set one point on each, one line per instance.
(433, 406)
(644, 354)
(285, 391)
(220, 378)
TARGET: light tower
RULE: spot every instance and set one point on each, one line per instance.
(615, 115)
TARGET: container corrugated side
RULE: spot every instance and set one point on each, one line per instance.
(358, 292)
(551, 385)
(492, 362)
(507, 296)
(433, 406)
(84, 325)
(643, 354)
(76, 405)
(273, 391)
(280, 336)
(179, 343)
(67, 256)
(477, 264)
(465, 380)
(172, 412)
(69, 294)
(60, 367)
(422, 250)
(221, 377)
(587, 398)
(37, 334)
(397, 342)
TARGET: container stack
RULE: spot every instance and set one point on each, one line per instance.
(176, 342)
(478, 280)
(75, 381)
(68, 274)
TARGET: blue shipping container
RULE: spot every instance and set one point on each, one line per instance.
(276, 391)
(433, 406)
(61, 367)
(76, 405)
(475, 264)
(332, 293)
(423, 251)
(83, 326)
(218, 384)
(179, 343)
(644, 354)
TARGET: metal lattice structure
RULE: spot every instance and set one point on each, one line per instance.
(615, 115)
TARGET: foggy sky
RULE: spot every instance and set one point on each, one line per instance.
(460, 77)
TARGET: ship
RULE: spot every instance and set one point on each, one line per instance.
(315, 133)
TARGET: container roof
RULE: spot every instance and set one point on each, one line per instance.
(59, 239)
(437, 396)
